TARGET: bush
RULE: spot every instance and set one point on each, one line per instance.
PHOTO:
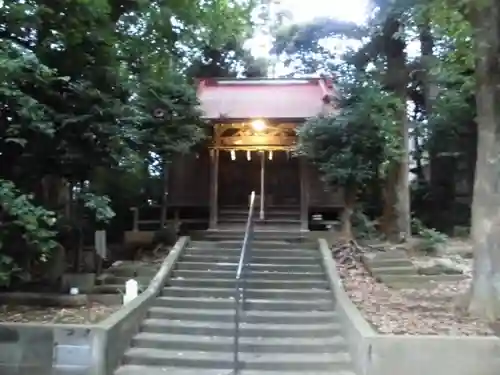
(431, 239)
(166, 236)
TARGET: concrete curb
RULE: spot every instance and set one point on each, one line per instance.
(119, 328)
(357, 331)
(387, 354)
(94, 349)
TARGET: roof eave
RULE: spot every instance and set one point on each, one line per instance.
(262, 81)
(228, 120)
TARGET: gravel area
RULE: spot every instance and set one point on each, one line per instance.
(35, 314)
(429, 311)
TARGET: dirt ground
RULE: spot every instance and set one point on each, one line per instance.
(73, 315)
(431, 311)
(77, 315)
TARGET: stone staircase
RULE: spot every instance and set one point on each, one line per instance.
(288, 326)
(114, 278)
(278, 216)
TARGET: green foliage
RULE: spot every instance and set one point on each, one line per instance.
(99, 204)
(304, 46)
(97, 85)
(353, 146)
(20, 218)
(430, 239)
(363, 226)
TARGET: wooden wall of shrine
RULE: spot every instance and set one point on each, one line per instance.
(321, 195)
(189, 181)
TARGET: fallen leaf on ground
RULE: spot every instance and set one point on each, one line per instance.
(429, 311)
(36, 314)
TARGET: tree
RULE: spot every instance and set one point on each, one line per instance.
(94, 85)
(354, 146)
(474, 32)
(386, 48)
(396, 214)
(304, 47)
(485, 292)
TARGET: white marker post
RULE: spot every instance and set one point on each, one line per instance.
(131, 291)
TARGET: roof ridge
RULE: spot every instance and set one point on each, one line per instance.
(257, 81)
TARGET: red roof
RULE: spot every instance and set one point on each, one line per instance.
(242, 99)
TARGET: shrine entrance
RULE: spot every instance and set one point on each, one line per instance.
(256, 156)
(253, 123)
(240, 173)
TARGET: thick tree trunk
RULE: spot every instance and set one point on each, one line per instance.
(346, 216)
(396, 213)
(485, 291)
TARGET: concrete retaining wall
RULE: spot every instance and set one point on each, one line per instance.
(383, 354)
(63, 349)
(46, 349)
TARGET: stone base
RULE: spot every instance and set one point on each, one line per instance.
(396, 270)
(85, 282)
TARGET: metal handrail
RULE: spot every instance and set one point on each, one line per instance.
(240, 282)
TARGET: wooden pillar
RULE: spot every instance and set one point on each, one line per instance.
(262, 184)
(214, 188)
(135, 227)
(304, 194)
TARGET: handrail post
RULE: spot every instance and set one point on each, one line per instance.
(240, 282)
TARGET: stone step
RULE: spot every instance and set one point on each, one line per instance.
(397, 259)
(166, 370)
(284, 220)
(261, 232)
(296, 294)
(275, 220)
(389, 263)
(132, 271)
(386, 255)
(250, 304)
(269, 212)
(269, 317)
(110, 289)
(256, 244)
(268, 215)
(251, 361)
(312, 253)
(299, 271)
(121, 280)
(250, 283)
(191, 327)
(416, 281)
(295, 240)
(401, 270)
(252, 259)
(419, 279)
(333, 344)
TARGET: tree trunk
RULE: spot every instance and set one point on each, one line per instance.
(396, 213)
(419, 167)
(485, 291)
(442, 168)
(350, 194)
(430, 89)
(428, 62)
(164, 197)
(55, 193)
